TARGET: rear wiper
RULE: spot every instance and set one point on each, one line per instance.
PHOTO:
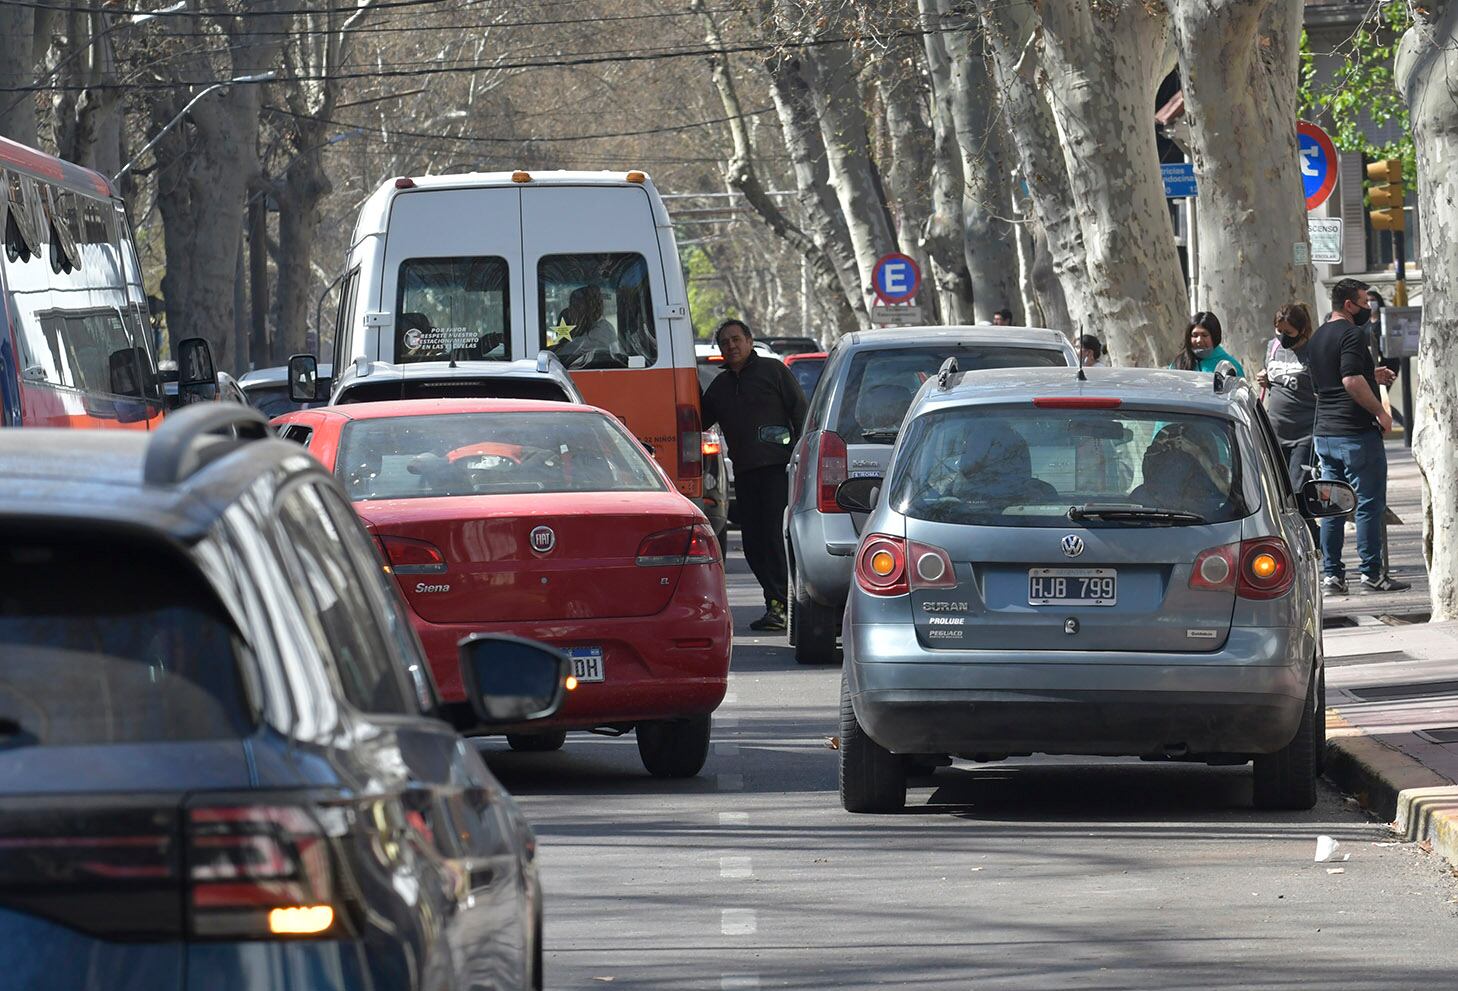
(1124, 513)
(881, 436)
(12, 734)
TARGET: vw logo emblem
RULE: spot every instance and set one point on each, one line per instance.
(543, 539)
(1072, 545)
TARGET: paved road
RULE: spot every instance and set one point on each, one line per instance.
(1030, 874)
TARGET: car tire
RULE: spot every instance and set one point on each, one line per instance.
(1286, 779)
(816, 627)
(674, 748)
(1321, 723)
(722, 536)
(536, 743)
(872, 779)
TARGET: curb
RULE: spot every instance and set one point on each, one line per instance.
(1421, 804)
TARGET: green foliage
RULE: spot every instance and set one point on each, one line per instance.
(1362, 91)
(708, 303)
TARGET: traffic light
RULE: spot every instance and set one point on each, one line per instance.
(1385, 195)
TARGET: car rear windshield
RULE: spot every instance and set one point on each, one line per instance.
(111, 642)
(452, 308)
(1027, 466)
(463, 454)
(881, 382)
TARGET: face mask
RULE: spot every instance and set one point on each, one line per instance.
(1202, 353)
(1361, 316)
(1288, 342)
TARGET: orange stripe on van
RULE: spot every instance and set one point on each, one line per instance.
(647, 400)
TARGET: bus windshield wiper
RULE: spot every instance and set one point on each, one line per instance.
(1121, 513)
(883, 435)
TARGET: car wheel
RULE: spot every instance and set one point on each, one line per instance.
(816, 627)
(1321, 723)
(537, 953)
(1286, 779)
(722, 536)
(872, 779)
(674, 748)
(536, 743)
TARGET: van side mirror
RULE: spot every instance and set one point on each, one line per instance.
(1321, 498)
(859, 495)
(303, 378)
(510, 680)
(195, 363)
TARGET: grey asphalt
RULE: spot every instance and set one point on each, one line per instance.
(1030, 874)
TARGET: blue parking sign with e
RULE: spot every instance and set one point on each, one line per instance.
(896, 278)
(1318, 160)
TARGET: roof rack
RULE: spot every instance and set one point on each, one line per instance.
(199, 435)
(946, 372)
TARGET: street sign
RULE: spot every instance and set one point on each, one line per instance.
(1179, 179)
(1401, 330)
(1326, 240)
(896, 316)
(1318, 159)
(896, 278)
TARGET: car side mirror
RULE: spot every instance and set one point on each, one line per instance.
(303, 378)
(775, 434)
(859, 495)
(510, 680)
(195, 363)
(1321, 498)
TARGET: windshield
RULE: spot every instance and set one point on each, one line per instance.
(141, 654)
(881, 382)
(1002, 466)
(463, 454)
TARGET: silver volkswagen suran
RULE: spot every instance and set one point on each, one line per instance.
(1102, 564)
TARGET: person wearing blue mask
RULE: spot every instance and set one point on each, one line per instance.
(1202, 351)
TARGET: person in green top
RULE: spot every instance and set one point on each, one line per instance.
(1202, 351)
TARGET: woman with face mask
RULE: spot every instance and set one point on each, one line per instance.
(1287, 390)
(1202, 351)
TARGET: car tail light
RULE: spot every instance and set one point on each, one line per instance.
(683, 545)
(690, 443)
(1252, 569)
(929, 567)
(881, 565)
(1265, 569)
(260, 871)
(1078, 402)
(413, 557)
(831, 461)
(712, 445)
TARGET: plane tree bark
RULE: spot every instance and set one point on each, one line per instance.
(1239, 63)
(18, 58)
(1426, 65)
(945, 237)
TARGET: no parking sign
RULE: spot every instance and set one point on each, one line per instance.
(1318, 159)
(896, 278)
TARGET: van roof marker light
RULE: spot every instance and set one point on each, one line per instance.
(404, 182)
(520, 175)
(636, 176)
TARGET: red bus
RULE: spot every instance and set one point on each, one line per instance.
(75, 341)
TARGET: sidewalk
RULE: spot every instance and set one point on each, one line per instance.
(1392, 725)
(1404, 552)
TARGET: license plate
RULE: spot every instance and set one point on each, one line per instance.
(1073, 587)
(586, 663)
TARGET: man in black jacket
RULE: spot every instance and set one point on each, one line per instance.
(761, 410)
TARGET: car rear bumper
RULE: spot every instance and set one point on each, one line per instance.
(674, 663)
(1244, 699)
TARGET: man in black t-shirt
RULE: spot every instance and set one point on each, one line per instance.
(1350, 422)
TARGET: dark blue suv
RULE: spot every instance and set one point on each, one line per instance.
(220, 766)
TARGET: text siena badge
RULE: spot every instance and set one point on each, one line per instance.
(543, 539)
(1072, 545)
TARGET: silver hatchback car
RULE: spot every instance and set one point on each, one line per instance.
(868, 383)
(1111, 564)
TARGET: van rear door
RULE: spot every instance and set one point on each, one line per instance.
(601, 299)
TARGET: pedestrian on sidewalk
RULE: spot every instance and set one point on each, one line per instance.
(1202, 351)
(1289, 396)
(1350, 422)
(1002, 318)
(761, 410)
(1091, 352)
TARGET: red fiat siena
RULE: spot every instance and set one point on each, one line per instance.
(549, 521)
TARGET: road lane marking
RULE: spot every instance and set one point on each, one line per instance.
(735, 867)
(734, 818)
(738, 922)
(739, 982)
(731, 782)
(726, 749)
(730, 698)
(726, 722)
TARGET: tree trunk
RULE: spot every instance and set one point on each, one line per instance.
(944, 240)
(1239, 65)
(911, 158)
(17, 69)
(1427, 62)
(988, 239)
(819, 209)
(1079, 85)
(300, 194)
(260, 351)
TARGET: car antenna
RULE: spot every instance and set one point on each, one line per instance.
(945, 373)
(1080, 376)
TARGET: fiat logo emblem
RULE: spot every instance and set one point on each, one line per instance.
(1072, 545)
(543, 539)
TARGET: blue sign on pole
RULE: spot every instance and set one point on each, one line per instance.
(1318, 158)
(1179, 179)
(896, 278)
